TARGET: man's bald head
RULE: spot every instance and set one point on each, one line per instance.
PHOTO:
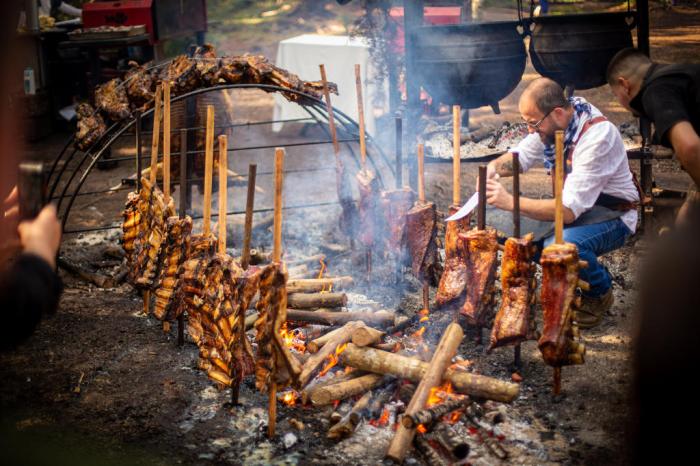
(545, 94)
(628, 63)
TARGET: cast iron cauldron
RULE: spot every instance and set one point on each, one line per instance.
(472, 64)
(574, 50)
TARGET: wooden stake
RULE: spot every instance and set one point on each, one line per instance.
(558, 185)
(361, 116)
(249, 203)
(329, 109)
(277, 224)
(445, 351)
(223, 199)
(421, 174)
(146, 301)
(156, 136)
(517, 363)
(183, 214)
(481, 212)
(166, 140)
(456, 157)
(139, 145)
(208, 169)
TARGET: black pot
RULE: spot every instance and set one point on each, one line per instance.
(472, 64)
(574, 50)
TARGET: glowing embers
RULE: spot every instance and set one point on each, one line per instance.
(293, 340)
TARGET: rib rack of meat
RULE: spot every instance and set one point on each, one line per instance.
(454, 278)
(273, 358)
(480, 249)
(513, 322)
(421, 234)
(186, 74)
(91, 126)
(395, 205)
(111, 97)
(151, 233)
(560, 266)
(175, 251)
(368, 205)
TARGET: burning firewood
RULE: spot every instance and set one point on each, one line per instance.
(513, 322)
(336, 344)
(433, 413)
(384, 362)
(327, 394)
(379, 318)
(347, 425)
(453, 443)
(444, 352)
(313, 285)
(429, 453)
(316, 300)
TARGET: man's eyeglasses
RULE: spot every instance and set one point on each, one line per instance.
(536, 125)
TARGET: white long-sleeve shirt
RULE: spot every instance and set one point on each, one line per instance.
(599, 165)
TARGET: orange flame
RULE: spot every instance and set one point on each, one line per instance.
(439, 394)
(454, 417)
(332, 359)
(291, 340)
(424, 312)
(421, 429)
(289, 398)
(419, 333)
(382, 421)
(424, 319)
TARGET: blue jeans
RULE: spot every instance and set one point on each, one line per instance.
(593, 241)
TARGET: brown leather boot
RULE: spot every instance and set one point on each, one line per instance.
(593, 309)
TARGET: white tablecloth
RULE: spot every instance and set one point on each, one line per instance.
(302, 55)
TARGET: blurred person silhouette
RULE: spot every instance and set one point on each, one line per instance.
(29, 284)
(666, 347)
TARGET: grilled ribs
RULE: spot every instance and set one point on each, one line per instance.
(140, 85)
(111, 98)
(394, 207)
(175, 251)
(480, 249)
(513, 322)
(421, 235)
(206, 65)
(91, 126)
(454, 278)
(273, 358)
(145, 253)
(560, 266)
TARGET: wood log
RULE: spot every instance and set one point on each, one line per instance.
(367, 336)
(315, 362)
(327, 394)
(316, 344)
(451, 441)
(400, 323)
(314, 300)
(248, 223)
(378, 319)
(444, 352)
(429, 415)
(314, 260)
(315, 285)
(383, 362)
(429, 454)
(347, 425)
(298, 272)
(331, 379)
(103, 281)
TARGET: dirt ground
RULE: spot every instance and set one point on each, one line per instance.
(100, 383)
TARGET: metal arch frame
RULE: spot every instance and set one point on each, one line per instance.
(117, 129)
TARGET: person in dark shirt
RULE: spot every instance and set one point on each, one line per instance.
(29, 284)
(669, 96)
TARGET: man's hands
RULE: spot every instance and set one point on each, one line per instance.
(42, 236)
(497, 196)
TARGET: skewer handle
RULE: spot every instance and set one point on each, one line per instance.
(421, 174)
(138, 151)
(456, 157)
(208, 168)
(156, 135)
(329, 109)
(558, 186)
(361, 116)
(272, 410)
(481, 212)
(248, 228)
(166, 140)
(277, 226)
(223, 198)
(516, 195)
(183, 173)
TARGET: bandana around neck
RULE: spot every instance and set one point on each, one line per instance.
(582, 109)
